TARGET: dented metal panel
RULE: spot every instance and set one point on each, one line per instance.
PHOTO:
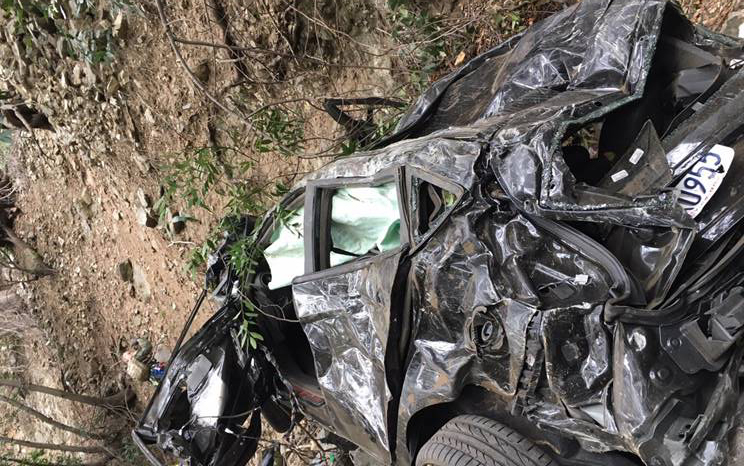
(346, 317)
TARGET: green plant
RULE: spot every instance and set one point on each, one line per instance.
(6, 140)
(509, 23)
(190, 179)
(208, 178)
(131, 455)
(388, 122)
(277, 132)
(246, 333)
(40, 458)
(421, 36)
(33, 20)
(213, 178)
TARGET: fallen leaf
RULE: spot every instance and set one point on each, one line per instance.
(460, 58)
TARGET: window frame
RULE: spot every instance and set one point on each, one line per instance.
(318, 194)
(412, 201)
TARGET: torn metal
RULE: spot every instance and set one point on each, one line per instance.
(570, 259)
(204, 409)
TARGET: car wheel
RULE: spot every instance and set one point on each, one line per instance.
(477, 441)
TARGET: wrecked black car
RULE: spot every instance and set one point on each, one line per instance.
(542, 265)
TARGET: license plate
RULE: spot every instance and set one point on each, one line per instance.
(702, 181)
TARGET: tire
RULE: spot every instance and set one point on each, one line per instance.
(477, 441)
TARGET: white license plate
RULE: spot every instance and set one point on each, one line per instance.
(702, 181)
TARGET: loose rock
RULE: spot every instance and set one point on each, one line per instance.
(141, 285)
(137, 370)
(145, 217)
(143, 199)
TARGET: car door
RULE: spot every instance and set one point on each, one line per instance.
(347, 300)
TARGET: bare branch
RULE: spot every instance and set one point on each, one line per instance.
(46, 419)
(53, 446)
(6, 459)
(119, 400)
(182, 62)
(279, 54)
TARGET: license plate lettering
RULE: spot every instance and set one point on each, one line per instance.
(689, 199)
(693, 183)
(701, 182)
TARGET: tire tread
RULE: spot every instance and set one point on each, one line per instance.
(470, 440)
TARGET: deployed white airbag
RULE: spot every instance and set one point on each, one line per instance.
(363, 220)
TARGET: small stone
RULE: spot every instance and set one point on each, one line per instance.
(145, 217)
(85, 215)
(124, 77)
(112, 86)
(86, 198)
(120, 25)
(142, 163)
(137, 370)
(90, 75)
(148, 116)
(76, 78)
(143, 199)
(141, 285)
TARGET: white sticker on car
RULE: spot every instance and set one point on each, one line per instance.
(619, 176)
(637, 154)
(702, 181)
